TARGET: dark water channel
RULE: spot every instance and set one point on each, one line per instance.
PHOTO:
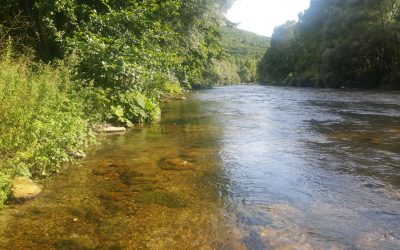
(243, 167)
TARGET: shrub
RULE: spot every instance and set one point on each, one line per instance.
(127, 106)
(42, 119)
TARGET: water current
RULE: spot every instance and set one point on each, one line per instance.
(238, 167)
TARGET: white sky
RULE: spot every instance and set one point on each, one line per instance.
(262, 16)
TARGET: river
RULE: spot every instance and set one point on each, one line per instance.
(238, 167)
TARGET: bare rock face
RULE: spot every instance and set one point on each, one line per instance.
(23, 188)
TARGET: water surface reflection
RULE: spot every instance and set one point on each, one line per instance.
(240, 167)
(312, 169)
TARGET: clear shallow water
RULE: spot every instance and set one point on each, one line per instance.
(242, 167)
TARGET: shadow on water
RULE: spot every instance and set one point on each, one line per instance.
(239, 167)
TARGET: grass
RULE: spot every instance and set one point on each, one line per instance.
(42, 120)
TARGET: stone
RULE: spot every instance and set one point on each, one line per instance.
(112, 129)
(163, 198)
(76, 242)
(196, 153)
(374, 239)
(128, 177)
(176, 164)
(23, 188)
(180, 98)
(78, 155)
(101, 171)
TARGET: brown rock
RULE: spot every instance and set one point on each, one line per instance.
(176, 164)
(180, 98)
(23, 188)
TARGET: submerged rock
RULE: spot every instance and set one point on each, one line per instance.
(164, 198)
(376, 239)
(176, 164)
(75, 242)
(196, 153)
(283, 232)
(286, 238)
(101, 171)
(23, 188)
(128, 177)
(180, 98)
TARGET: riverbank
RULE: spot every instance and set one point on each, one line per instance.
(48, 119)
(43, 120)
(235, 167)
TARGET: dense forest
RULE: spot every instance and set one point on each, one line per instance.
(337, 43)
(241, 52)
(67, 66)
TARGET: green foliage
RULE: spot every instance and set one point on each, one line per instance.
(337, 44)
(121, 42)
(225, 72)
(242, 44)
(123, 48)
(121, 56)
(241, 52)
(130, 106)
(5, 180)
(42, 119)
(172, 88)
(276, 65)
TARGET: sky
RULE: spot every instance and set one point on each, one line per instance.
(262, 16)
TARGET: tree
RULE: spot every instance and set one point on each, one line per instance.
(338, 43)
(278, 62)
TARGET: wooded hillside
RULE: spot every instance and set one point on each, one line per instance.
(337, 43)
(241, 52)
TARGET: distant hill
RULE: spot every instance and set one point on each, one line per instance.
(241, 52)
(243, 44)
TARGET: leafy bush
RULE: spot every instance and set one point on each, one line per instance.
(5, 181)
(172, 88)
(131, 106)
(42, 119)
(126, 54)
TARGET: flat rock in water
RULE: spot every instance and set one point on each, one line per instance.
(23, 188)
(180, 98)
(114, 129)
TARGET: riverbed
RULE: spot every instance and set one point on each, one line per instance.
(238, 167)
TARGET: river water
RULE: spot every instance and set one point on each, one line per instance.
(239, 167)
